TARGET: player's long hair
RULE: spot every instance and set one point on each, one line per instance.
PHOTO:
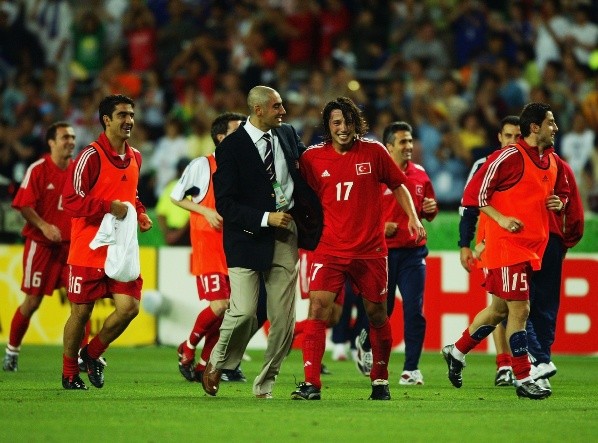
(351, 113)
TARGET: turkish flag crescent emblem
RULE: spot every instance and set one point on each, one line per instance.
(363, 168)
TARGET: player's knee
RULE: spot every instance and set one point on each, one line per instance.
(130, 312)
(219, 307)
(377, 317)
(320, 307)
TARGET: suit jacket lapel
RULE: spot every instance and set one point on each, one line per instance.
(286, 149)
(252, 155)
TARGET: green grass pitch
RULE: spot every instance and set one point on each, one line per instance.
(145, 399)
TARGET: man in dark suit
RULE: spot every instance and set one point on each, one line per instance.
(264, 202)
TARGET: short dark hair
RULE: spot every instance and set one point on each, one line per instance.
(509, 120)
(109, 103)
(534, 112)
(220, 124)
(353, 115)
(389, 131)
(51, 131)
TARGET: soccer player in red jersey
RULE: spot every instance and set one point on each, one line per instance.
(47, 232)
(508, 134)
(406, 257)
(104, 178)
(347, 173)
(515, 189)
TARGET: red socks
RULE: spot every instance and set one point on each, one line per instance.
(212, 336)
(503, 360)
(521, 367)
(314, 345)
(203, 323)
(18, 328)
(70, 367)
(466, 343)
(96, 348)
(381, 340)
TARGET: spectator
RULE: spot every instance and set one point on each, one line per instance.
(300, 32)
(577, 146)
(472, 135)
(170, 148)
(428, 48)
(582, 36)
(194, 64)
(51, 21)
(447, 171)
(405, 17)
(334, 22)
(173, 221)
(89, 46)
(450, 96)
(469, 28)
(551, 29)
(199, 141)
(140, 32)
(175, 34)
(152, 104)
(343, 53)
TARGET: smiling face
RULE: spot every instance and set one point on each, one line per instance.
(270, 113)
(547, 131)
(120, 124)
(63, 145)
(401, 149)
(342, 132)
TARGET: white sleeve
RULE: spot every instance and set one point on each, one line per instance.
(196, 175)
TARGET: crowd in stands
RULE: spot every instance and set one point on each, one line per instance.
(451, 68)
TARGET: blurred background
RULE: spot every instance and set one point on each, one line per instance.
(453, 69)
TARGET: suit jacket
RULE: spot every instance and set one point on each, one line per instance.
(244, 192)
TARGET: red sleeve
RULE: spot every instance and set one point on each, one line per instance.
(28, 191)
(139, 207)
(84, 173)
(429, 193)
(561, 186)
(501, 171)
(573, 223)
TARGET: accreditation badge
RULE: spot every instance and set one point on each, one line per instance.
(281, 201)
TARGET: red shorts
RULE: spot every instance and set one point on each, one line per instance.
(305, 259)
(368, 276)
(214, 286)
(44, 268)
(510, 282)
(87, 285)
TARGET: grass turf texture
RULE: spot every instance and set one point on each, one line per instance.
(146, 399)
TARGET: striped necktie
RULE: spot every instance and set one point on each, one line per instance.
(269, 158)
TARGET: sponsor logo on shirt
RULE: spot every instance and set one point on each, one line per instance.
(325, 173)
(50, 186)
(124, 178)
(419, 190)
(363, 168)
(545, 178)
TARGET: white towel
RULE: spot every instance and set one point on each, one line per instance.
(122, 260)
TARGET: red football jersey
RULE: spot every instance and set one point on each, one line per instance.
(349, 187)
(41, 190)
(419, 186)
